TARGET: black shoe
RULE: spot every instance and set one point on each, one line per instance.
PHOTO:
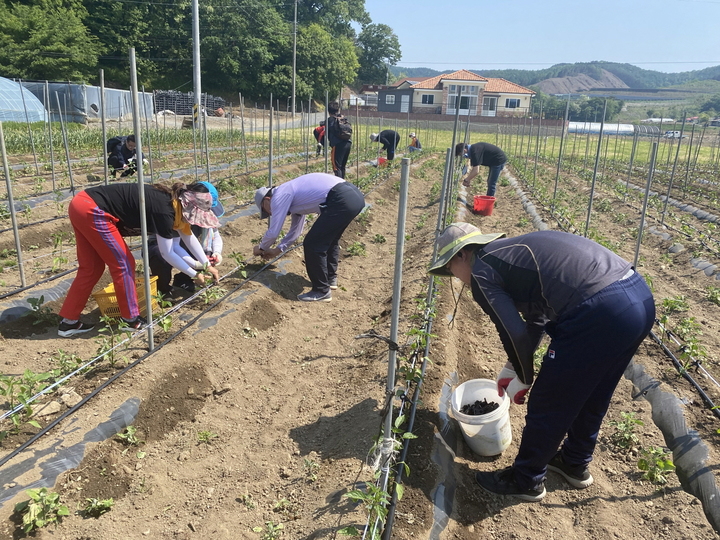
(576, 475)
(503, 482)
(70, 330)
(137, 323)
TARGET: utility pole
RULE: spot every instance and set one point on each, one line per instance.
(197, 112)
(294, 59)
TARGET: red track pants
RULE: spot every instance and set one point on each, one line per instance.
(98, 244)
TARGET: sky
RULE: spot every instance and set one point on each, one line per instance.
(661, 35)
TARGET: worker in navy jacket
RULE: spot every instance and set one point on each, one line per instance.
(597, 311)
(389, 139)
(121, 156)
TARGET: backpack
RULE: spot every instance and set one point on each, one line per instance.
(343, 128)
(113, 143)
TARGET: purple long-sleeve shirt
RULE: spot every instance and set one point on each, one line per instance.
(297, 198)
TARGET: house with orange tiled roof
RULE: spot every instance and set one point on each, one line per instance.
(475, 95)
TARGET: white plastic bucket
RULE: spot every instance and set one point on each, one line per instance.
(486, 434)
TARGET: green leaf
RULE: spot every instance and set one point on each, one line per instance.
(400, 490)
(34, 423)
(349, 531)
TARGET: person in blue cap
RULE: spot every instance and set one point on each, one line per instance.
(210, 241)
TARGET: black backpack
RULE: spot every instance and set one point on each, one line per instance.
(343, 128)
(113, 143)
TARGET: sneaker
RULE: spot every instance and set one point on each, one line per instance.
(70, 330)
(503, 482)
(333, 283)
(576, 475)
(137, 323)
(315, 296)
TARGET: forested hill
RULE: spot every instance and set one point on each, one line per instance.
(632, 76)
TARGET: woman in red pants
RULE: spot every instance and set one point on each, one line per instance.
(102, 216)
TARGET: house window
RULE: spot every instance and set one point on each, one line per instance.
(512, 103)
(390, 99)
(428, 99)
(453, 88)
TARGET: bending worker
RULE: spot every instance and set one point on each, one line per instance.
(336, 201)
(485, 154)
(596, 310)
(389, 139)
(102, 216)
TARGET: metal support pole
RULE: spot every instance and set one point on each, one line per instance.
(560, 153)
(388, 439)
(65, 142)
(270, 149)
(11, 204)
(595, 169)
(48, 103)
(327, 131)
(672, 175)
(641, 228)
(27, 121)
(138, 154)
(104, 127)
(137, 127)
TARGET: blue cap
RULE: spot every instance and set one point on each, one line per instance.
(217, 207)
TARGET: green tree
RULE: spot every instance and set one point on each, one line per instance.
(336, 16)
(323, 62)
(378, 47)
(46, 41)
(711, 104)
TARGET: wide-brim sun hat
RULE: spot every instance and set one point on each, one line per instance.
(373, 137)
(260, 194)
(197, 209)
(455, 237)
(217, 207)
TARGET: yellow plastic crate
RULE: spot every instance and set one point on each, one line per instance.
(107, 301)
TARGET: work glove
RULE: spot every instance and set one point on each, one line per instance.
(216, 259)
(145, 162)
(509, 382)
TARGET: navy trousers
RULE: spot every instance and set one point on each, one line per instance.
(589, 350)
(321, 245)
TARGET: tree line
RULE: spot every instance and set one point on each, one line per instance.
(245, 45)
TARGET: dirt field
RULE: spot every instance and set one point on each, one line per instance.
(264, 409)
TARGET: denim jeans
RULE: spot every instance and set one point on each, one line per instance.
(495, 171)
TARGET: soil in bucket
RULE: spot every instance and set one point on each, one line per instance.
(487, 434)
(479, 407)
(483, 204)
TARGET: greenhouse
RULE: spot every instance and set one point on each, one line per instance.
(18, 104)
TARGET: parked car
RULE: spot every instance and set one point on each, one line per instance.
(674, 135)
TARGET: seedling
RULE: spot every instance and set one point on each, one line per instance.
(206, 436)
(129, 436)
(247, 500)
(624, 435)
(165, 322)
(675, 305)
(96, 507)
(271, 531)
(311, 469)
(378, 239)
(713, 294)
(211, 294)
(357, 249)
(41, 314)
(240, 262)
(656, 463)
(41, 509)
(376, 502)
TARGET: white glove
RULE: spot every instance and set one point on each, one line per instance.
(509, 382)
(218, 259)
(145, 162)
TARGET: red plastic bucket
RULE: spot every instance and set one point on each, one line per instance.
(484, 204)
(382, 162)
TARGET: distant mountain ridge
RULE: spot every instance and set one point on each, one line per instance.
(582, 76)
